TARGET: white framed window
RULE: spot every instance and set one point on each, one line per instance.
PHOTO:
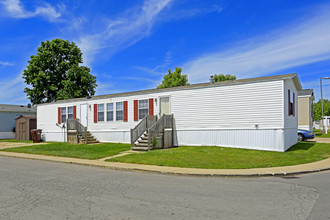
(63, 114)
(119, 111)
(100, 112)
(70, 112)
(143, 108)
(109, 111)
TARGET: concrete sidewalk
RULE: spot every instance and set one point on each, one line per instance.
(274, 171)
(321, 140)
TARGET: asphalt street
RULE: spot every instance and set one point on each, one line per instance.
(32, 189)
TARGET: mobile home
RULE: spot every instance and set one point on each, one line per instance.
(256, 113)
(8, 114)
(305, 109)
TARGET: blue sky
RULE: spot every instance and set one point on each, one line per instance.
(130, 45)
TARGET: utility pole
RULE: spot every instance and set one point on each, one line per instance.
(326, 130)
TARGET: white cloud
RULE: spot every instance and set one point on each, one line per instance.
(12, 91)
(16, 10)
(124, 31)
(160, 69)
(193, 12)
(298, 44)
(3, 63)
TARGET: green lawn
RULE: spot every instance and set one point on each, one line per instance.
(83, 151)
(320, 134)
(14, 140)
(229, 158)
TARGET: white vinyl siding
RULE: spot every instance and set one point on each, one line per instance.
(143, 108)
(289, 121)
(225, 107)
(237, 107)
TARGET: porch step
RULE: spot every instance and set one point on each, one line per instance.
(140, 148)
(143, 141)
(90, 138)
(141, 145)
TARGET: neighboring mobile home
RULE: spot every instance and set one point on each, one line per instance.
(257, 113)
(305, 109)
(8, 114)
(24, 125)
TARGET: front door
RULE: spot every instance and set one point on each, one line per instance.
(83, 114)
(164, 105)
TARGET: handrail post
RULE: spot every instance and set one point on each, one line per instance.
(132, 138)
(149, 137)
(85, 135)
(172, 125)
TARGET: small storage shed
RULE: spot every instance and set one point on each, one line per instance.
(24, 125)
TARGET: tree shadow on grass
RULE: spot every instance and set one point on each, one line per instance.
(302, 146)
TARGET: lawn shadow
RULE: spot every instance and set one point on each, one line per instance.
(302, 146)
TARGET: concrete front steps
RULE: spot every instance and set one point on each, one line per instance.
(90, 139)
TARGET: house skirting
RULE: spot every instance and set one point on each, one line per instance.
(258, 139)
(7, 135)
(306, 127)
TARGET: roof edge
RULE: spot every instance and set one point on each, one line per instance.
(293, 76)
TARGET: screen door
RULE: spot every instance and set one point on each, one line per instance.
(164, 105)
(83, 114)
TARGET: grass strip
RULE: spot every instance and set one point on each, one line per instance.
(14, 140)
(83, 151)
(321, 134)
(229, 158)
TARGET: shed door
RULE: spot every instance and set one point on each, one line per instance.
(22, 131)
(164, 105)
(83, 114)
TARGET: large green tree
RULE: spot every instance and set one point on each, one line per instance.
(317, 109)
(55, 74)
(223, 77)
(173, 79)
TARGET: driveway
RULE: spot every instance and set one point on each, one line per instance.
(321, 140)
(4, 145)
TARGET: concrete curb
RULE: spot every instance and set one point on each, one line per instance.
(318, 166)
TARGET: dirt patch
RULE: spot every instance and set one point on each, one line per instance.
(4, 145)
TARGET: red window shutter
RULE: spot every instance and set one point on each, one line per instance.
(59, 115)
(293, 106)
(136, 110)
(125, 111)
(74, 112)
(289, 102)
(151, 106)
(95, 113)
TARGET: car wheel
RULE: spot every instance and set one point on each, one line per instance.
(301, 137)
